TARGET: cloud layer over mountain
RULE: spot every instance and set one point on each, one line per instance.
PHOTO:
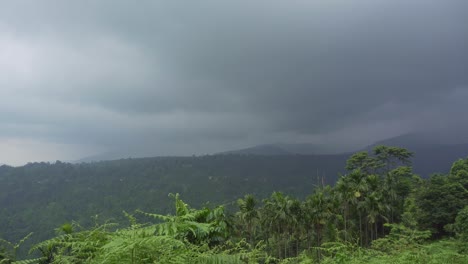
(178, 78)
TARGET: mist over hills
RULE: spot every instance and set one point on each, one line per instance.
(415, 142)
(434, 153)
(407, 140)
(286, 149)
(267, 149)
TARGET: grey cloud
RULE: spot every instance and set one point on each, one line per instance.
(207, 75)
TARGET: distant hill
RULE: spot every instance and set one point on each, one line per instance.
(431, 155)
(314, 149)
(286, 149)
(266, 150)
(110, 155)
(410, 141)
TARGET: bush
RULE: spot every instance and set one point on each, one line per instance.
(461, 229)
(399, 238)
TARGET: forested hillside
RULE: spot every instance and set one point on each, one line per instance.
(378, 212)
(59, 192)
(38, 197)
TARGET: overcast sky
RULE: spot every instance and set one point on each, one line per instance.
(79, 78)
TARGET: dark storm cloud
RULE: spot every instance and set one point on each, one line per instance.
(203, 76)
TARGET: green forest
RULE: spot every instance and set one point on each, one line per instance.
(377, 211)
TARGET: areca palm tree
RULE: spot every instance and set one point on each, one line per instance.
(351, 190)
(375, 204)
(248, 214)
(296, 222)
(397, 186)
(375, 209)
(274, 218)
(344, 195)
(281, 215)
(319, 209)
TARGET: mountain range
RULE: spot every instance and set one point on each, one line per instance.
(284, 149)
(411, 141)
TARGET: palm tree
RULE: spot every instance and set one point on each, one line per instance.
(319, 210)
(390, 191)
(360, 186)
(375, 208)
(397, 186)
(248, 215)
(280, 215)
(351, 190)
(344, 195)
(371, 205)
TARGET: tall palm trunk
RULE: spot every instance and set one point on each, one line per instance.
(319, 253)
(367, 234)
(278, 242)
(376, 233)
(345, 221)
(360, 227)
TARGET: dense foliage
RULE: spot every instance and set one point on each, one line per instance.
(378, 212)
(41, 196)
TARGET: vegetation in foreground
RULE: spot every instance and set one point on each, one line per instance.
(380, 212)
(38, 197)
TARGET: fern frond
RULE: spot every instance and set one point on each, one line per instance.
(29, 261)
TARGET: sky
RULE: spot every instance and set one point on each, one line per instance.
(78, 78)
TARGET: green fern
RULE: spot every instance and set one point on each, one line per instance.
(11, 249)
(29, 261)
